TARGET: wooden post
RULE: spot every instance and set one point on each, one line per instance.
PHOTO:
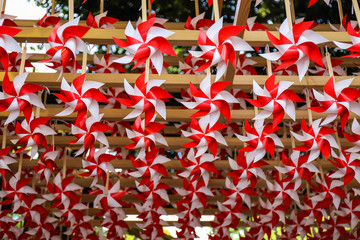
(71, 10)
(216, 10)
(147, 63)
(149, 7)
(143, 10)
(197, 10)
(107, 182)
(292, 10)
(341, 12)
(1, 7)
(288, 13)
(101, 6)
(64, 164)
(4, 137)
(357, 10)
(20, 165)
(52, 7)
(84, 61)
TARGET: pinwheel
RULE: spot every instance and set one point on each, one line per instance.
(8, 43)
(8, 20)
(323, 71)
(282, 192)
(198, 166)
(5, 160)
(106, 65)
(32, 133)
(198, 22)
(152, 69)
(272, 212)
(111, 94)
(101, 21)
(49, 21)
(191, 64)
(275, 99)
(338, 100)
(343, 25)
(261, 139)
(71, 215)
(316, 139)
(46, 164)
(108, 199)
(240, 96)
(19, 96)
(297, 168)
(118, 128)
(204, 137)
(238, 192)
(295, 227)
(15, 191)
(81, 96)
(219, 45)
(211, 100)
(244, 66)
(312, 2)
(153, 195)
(115, 222)
(242, 169)
(289, 71)
(355, 138)
(334, 227)
(63, 192)
(145, 97)
(88, 133)
(151, 168)
(251, 25)
(45, 230)
(147, 41)
(145, 136)
(350, 209)
(82, 229)
(14, 62)
(65, 41)
(98, 165)
(352, 47)
(32, 210)
(348, 165)
(328, 191)
(296, 47)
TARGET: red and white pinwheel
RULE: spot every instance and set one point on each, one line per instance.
(355, 138)
(354, 46)
(19, 96)
(296, 47)
(14, 62)
(198, 22)
(49, 21)
(81, 96)
(211, 100)
(46, 164)
(15, 191)
(260, 139)
(145, 136)
(219, 45)
(111, 94)
(106, 65)
(251, 25)
(316, 139)
(111, 198)
(272, 212)
(5, 160)
(239, 191)
(191, 64)
(98, 165)
(101, 21)
(324, 71)
(147, 41)
(150, 169)
(244, 66)
(348, 165)
(63, 192)
(275, 99)
(32, 133)
(145, 97)
(65, 41)
(339, 99)
(198, 166)
(343, 25)
(204, 137)
(88, 133)
(7, 43)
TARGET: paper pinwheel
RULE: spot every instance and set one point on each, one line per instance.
(244, 66)
(81, 96)
(198, 22)
(343, 25)
(110, 200)
(275, 99)
(32, 210)
(191, 64)
(296, 47)
(151, 168)
(145, 97)
(19, 96)
(238, 192)
(114, 221)
(354, 46)
(348, 165)
(350, 210)
(32, 133)
(106, 65)
(101, 21)
(46, 164)
(219, 45)
(65, 41)
(97, 165)
(324, 71)
(5, 160)
(15, 191)
(8, 43)
(63, 192)
(14, 62)
(49, 21)
(198, 166)
(111, 94)
(260, 139)
(339, 99)
(272, 212)
(147, 41)
(88, 133)
(282, 192)
(355, 138)
(316, 139)
(204, 137)
(211, 100)
(145, 136)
